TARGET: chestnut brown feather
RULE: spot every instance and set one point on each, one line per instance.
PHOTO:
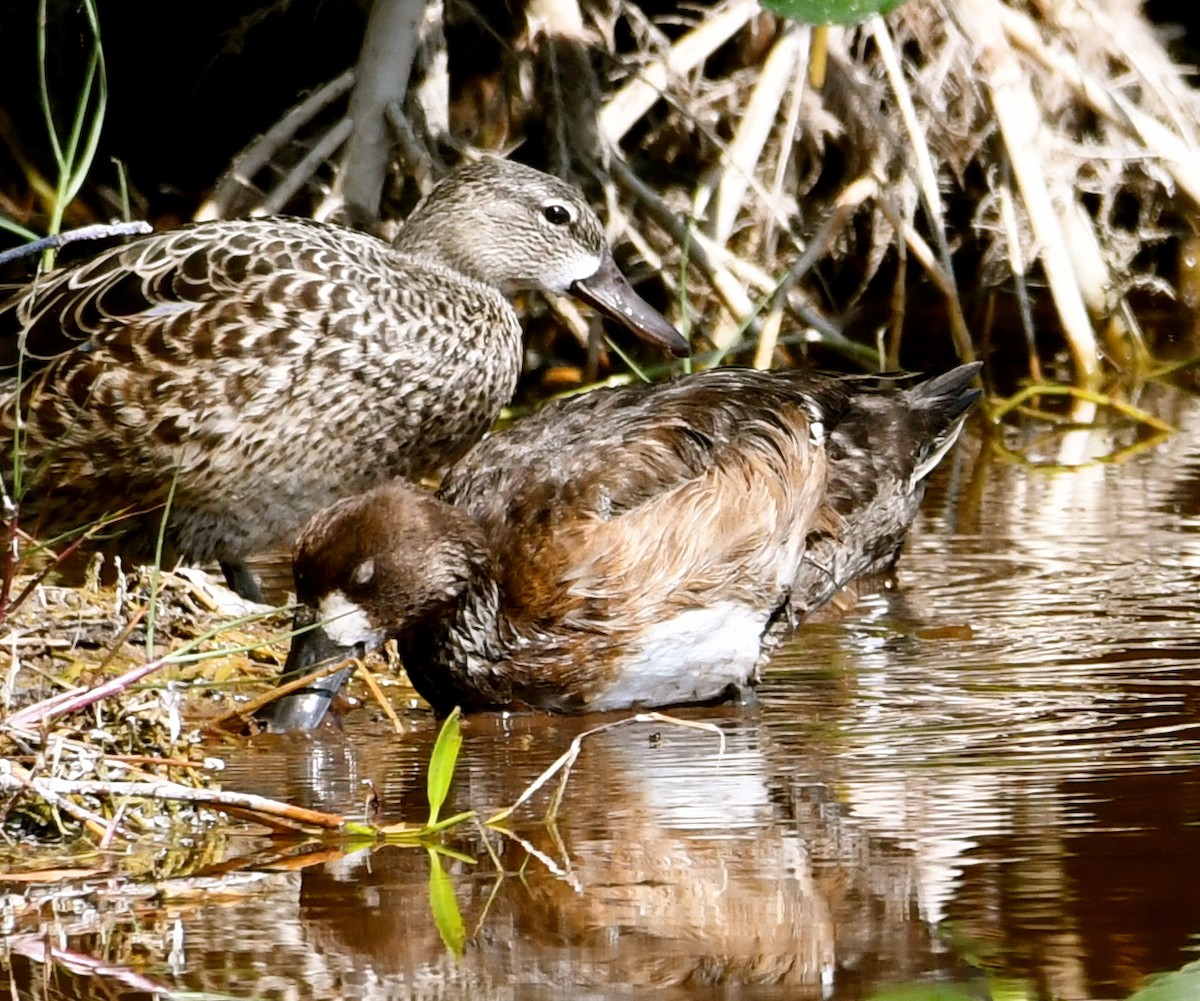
(632, 547)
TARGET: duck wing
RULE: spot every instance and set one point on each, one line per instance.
(191, 293)
(625, 503)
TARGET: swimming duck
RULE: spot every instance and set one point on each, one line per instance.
(255, 371)
(631, 547)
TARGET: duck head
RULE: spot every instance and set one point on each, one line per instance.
(516, 228)
(365, 569)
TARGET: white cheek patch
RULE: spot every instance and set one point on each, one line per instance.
(364, 571)
(570, 270)
(346, 623)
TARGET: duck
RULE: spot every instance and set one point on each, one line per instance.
(244, 374)
(632, 547)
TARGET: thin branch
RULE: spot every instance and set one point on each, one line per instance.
(240, 176)
(625, 108)
(299, 175)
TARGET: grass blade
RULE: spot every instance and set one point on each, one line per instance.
(442, 902)
(442, 763)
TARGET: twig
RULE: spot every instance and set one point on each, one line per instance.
(787, 140)
(258, 154)
(758, 118)
(1080, 393)
(13, 777)
(729, 290)
(41, 713)
(431, 65)
(39, 949)
(247, 709)
(97, 231)
(1174, 153)
(163, 789)
(565, 760)
(384, 64)
(1016, 265)
(1020, 119)
(414, 153)
(625, 108)
(299, 175)
(368, 678)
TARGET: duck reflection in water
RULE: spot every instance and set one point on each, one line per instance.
(632, 547)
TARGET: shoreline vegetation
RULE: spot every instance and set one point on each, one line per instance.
(1011, 181)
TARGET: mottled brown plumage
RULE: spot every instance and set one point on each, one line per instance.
(268, 367)
(628, 547)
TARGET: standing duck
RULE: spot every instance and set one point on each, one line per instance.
(632, 547)
(255, 371)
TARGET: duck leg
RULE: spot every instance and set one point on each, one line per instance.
(241, 581)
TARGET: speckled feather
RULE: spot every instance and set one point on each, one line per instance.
(631, 546)
(271, 366)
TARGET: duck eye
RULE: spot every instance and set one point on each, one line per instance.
(557, 214)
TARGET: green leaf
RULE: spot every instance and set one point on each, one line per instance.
(830, 11)
(446, 915)
(17, 228)
(442, 763)
(1182, 985)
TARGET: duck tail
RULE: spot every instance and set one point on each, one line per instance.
(941, 405)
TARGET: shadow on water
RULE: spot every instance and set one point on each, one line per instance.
(987, 777)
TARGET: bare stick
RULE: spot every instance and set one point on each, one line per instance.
(258, 154)
(754, 127)
(164, 789)
(565, 760)
(40, 949)
(1020, 119)
(41, 713)
(431, 93)
(368, 678)
(847, 203)
(927, 180)
(244, 711)
(787, 141)
(15, 777)
(384, 65)
(97, 231)
(299, 175)
(415, 155)
(1172, 151)
(727, 273)
(1016, 264)
(728, 288)
(626, 107)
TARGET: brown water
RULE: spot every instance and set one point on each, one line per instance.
(988, 776)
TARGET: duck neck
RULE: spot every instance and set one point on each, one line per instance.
(451, 655)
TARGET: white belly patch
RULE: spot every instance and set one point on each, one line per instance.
(693, 657)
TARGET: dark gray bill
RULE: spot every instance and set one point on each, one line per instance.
(304, 708)
(610, 292)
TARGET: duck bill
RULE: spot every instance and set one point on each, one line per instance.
(305, 708)
(610, 292)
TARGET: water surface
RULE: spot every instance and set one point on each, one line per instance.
(987, 775)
